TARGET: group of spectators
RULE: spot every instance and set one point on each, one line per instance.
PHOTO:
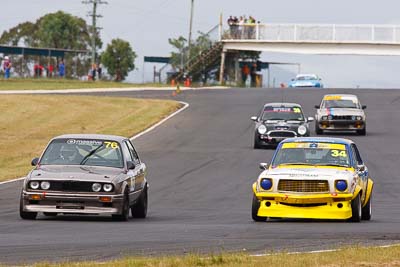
(95, 70)
(39, 69)
(242, 27)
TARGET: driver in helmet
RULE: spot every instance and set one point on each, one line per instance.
(69, 154)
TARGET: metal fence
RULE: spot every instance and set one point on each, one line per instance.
(330, 33)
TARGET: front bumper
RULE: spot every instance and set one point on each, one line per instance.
(318, 206)
(71, 203)
(275, 137)
(341, 125)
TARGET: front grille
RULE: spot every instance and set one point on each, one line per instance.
(303, 186)
(281, 127)
(282, 134)
(71, 186)
(304, 205)
(343, 117)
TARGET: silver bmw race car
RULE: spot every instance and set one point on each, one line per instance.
(340, 112)
(86, 174)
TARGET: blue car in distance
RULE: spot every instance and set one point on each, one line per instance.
(306, 80)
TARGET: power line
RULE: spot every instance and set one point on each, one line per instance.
(94, 16)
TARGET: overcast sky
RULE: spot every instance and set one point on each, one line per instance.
(147, 25)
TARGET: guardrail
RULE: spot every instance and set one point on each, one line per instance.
(326, 33)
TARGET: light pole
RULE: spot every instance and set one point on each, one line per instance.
(190, 27)
(94, 16)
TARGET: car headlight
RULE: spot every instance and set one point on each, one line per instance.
(45, 185)
(266, 183)
(107, 187)
(359, 118)
(34, 185)
(96, 187)
(302, 130)
(262, 129)
(341, 185)
(324, 118)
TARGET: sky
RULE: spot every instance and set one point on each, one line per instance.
(147, 25)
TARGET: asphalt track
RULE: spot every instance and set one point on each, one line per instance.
(201, 166)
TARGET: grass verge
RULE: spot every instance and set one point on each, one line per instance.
(351, 256)
(55, 84)
(28, 122)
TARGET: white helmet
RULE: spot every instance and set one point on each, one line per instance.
(6, 58)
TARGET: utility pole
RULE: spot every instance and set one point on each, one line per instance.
(94, 16)
(190, 27)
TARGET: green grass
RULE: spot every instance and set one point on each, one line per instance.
(351, 256)
(54, 84)
(27, 123)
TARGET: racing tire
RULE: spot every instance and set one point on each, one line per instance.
(356, 209)
(362, 132)
(257, 144)
(254, 210)
(25, 214)
(367, 210)
(317, 129)
(50, 214)
(124, 216)
(139, 209)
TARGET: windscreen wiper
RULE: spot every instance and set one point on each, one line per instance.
(90, 154)
(333, 164)
(295, 163)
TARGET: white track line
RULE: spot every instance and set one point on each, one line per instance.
(316, 251)
(185, 106)
(11, 181)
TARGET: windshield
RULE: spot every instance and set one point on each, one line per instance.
(306, 78)
(282, 113)
(320, 154)
(339, 101)
(339, 104)
(83, 152)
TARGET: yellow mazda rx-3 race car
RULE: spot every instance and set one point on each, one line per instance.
(314, 178)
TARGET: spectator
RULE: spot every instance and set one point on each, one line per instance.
(50, 70)
(241, 27)
(99, 70)
(253, 74)
(250, 27)
(93, 71)
(245, 73)
(61, 68)
(230, 24)
(36, 70)
(7, 67)
(235, 27)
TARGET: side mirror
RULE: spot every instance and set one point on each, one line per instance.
(263, 166)
(316, 106)
(35, 161)
(364, 107)
(309, 119)
(361, 168)
(254, 118)
(130, 165)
